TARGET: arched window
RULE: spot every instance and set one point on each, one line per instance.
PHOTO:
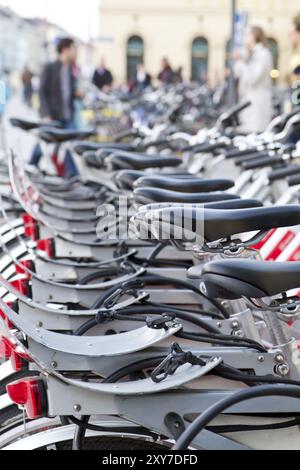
(199, 59)
(135, 55)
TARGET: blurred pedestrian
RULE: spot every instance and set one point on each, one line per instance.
(142, 78)
(5, 92)
(253, 71)
(166, 75)
(58, 85)
(178, 75)
(26, 78)
(295, 41)
(102, 77)
(58, 93)
(296, 88)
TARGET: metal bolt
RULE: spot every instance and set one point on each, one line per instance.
(50, 297)
(283, 369)
(77, 408)
(235, 324)
(54, 364)
(177, 425)
(239, 333)
(39, 324)
(219, 324)
(261, 359)
(279, 358)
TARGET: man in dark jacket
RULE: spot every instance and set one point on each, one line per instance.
(58, 93)
(102, 77)
(57, 88)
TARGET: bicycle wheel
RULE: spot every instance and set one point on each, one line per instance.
(111, 443)
(9, 418)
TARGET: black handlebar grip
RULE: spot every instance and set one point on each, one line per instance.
(236, 110)
(239, 108)
(283, 172)
(251, 158)
(239, 153)
(294, 180)
(262, 162)
(205, 148)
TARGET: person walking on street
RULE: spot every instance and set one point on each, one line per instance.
(166, 75)
(27, 77)
(57, 95)
(253, 72)
(295, 41)
(102, 77)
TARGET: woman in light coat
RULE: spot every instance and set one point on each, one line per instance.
(254, 78)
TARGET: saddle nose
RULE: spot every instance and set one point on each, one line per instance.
(236, 278)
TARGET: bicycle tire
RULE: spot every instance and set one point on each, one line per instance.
(111, 443)
(10, 417)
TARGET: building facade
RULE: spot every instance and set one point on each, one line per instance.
(13, 50)
(193, 34)
(28, 42)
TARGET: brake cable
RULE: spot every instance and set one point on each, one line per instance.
(238, 397)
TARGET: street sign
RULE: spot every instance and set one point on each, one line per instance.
(107, 39)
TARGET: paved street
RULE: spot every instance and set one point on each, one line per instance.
(18, 141)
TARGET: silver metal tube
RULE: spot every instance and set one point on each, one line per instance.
(278, 331)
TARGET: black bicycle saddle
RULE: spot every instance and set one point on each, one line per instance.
(235, 278)
(132, 161)
(150, 195)
(125, 179)
(86, 146)
(27, 125)
(219, 224)
(59, 136)
(192, 185)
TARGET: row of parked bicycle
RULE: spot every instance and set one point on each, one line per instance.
(181, 334)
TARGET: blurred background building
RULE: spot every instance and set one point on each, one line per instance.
(30, 42)
(25, 41)
(191, 33)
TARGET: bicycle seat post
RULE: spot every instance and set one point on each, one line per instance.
(277, 329)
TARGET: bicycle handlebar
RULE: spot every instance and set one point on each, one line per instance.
(262, 162)
(294, 180)
(290, 170)
(232, 113)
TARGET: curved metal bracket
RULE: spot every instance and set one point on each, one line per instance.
(184, 374)
(92, 346)
(61, 311)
